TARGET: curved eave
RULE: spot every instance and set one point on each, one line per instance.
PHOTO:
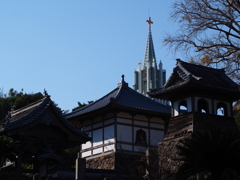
(189, 86)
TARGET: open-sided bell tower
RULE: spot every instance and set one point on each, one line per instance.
(201, 98)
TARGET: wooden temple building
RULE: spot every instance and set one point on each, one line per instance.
(40, 134)
(123, 122)
(201, 98)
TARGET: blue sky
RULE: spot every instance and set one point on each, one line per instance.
(78, 49)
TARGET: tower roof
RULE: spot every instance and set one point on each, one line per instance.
(191, 78)
(123, 97)
(150, 53)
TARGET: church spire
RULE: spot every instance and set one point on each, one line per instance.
(149, 54)
(149, 76)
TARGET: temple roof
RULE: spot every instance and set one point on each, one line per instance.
(32, 114)
(190, 78)
(123, 97)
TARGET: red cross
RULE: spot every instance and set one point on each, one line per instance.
(149, 22)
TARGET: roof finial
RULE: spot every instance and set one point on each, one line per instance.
(45, 92)
(122, 83)
(149, 23)
(122, 78)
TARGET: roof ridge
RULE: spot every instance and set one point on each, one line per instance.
(31, 104)
(93, 102)
(144, 97)
(201, 66)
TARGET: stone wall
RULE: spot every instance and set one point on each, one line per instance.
(102, 162)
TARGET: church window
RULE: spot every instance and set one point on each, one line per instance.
(141, 137)
(182, 107)
(221, 109)
(203, 106)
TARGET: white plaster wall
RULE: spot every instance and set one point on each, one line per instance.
(97, 151)
(108, 121)
(155, 125)
(88, 144)
(189, 104)
(125, 115)
(176, 103)
(99, 124)
(109, 148)
(140, 117)
(156, 137)
(156, 120)
(141, 123)
(175, 108)
(124, 147)
(97, 138)
(122, 120)
(109, 134)
(87, 153)
(124, 133)
(109, 115)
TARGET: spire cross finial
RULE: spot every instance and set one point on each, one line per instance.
(149, 23)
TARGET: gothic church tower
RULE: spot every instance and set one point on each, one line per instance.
(149, 76)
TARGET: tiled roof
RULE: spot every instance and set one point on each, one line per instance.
(28, 114)
(24, 116)
(185, 74)
(123, 96)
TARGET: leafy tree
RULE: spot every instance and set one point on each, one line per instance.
(209, 32)
(16, 100)
(211, 153)
(80, 105)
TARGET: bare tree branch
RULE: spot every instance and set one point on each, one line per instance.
(209, 33)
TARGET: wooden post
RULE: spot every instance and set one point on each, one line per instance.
(80, 170)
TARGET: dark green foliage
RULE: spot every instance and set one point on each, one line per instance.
(7, 149)
(211, 153)
(80, 105)
(70, 156)
(17, 100)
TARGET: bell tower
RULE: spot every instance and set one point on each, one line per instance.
(201, 98)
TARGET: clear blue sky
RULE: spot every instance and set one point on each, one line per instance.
(78, 49)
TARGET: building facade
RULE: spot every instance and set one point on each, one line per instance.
(123, 122)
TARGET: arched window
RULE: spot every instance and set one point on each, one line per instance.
(203, 106)
(182, 107)
(221, 109)
(141, 137)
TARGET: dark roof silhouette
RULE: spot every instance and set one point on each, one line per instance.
(123, 97)
(31, 113)
(197, 78)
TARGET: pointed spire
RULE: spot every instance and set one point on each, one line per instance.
(150, 53)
